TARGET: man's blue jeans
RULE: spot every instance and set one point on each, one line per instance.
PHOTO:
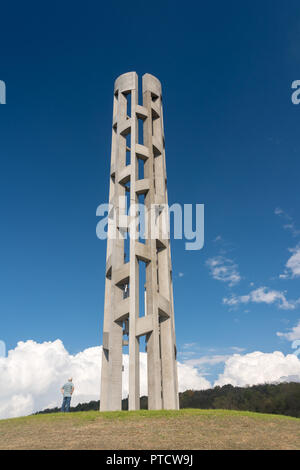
(66, 404)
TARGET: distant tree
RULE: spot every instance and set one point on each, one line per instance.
(283, 398)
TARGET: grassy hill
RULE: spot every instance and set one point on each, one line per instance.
(184, 429)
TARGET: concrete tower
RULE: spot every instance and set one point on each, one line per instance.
(138, 175)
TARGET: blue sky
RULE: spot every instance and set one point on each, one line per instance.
(226, 70)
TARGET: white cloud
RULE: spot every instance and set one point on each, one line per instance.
(189, 345)
(224, 269)
(292, 335)
(279, 211)
(237, 349)
(189, 378)
(259, 368)
(292, 228)
(209, 360)
(190, 355)
(290, 225)
(263, 295)
(33, 373)
(292, 267)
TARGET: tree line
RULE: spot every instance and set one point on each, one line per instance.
(283, 399)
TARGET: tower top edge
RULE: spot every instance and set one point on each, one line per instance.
(151, 83)
(126, 82)
(129, 81)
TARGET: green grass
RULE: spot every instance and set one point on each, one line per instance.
(93, 415)
(163, 429)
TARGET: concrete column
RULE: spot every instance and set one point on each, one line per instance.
(134, 364)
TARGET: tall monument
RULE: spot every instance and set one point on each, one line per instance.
(137, 306)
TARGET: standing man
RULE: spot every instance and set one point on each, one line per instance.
(67, 391)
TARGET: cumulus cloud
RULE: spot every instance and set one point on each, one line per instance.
(258, 368)
(292, 335)
(263, 295)
(292, 267)
(33, 373)
(224, 269)
(189, 378)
